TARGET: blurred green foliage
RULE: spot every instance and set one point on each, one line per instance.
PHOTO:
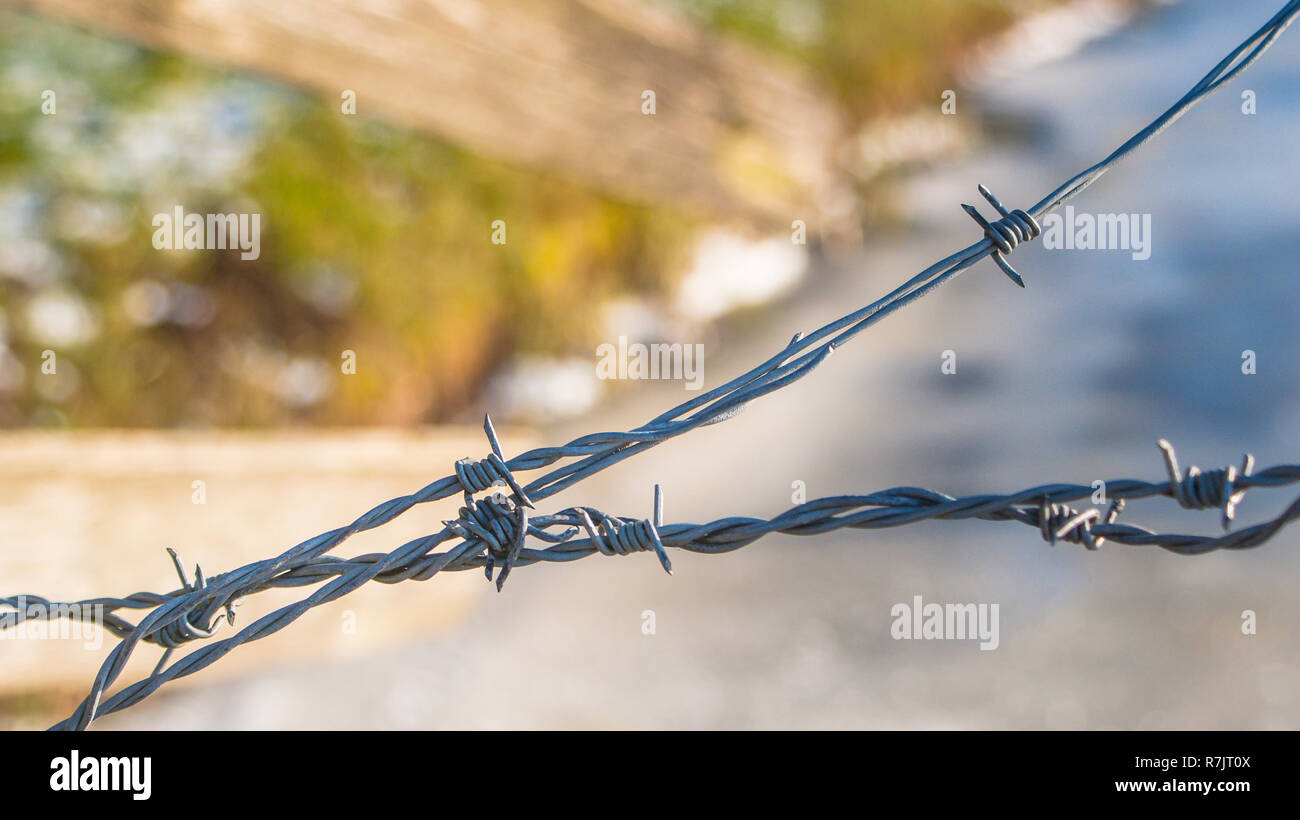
(875, 55)
(372, 240)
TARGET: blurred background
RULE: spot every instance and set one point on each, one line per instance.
(200, 401)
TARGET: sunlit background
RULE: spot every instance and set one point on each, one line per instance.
(199, 400)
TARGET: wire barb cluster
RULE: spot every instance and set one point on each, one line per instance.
(615, 536)
(1061, 521)
(1006, 233)
(498, 525)
(183, 630)
(495, 529)
(1209, 489)
(477, 476)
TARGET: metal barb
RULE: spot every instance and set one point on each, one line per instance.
(1006, 233)
(185, 629)
(499, 525)
(517, 544)
(1206, 489)
(611, 535)
(1060, 521)
(657, 521)
(476, 476)
(180, 568)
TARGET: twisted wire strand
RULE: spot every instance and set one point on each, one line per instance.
(894, 507)
(904, 500)
(598, 451)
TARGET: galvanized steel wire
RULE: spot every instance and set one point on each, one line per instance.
(494, 530)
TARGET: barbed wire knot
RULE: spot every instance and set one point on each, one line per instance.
(616, 536)
(1208, 489)
(1063, 522)
(1006, 233)
(184, 629)
(477, 476)
(499, 524)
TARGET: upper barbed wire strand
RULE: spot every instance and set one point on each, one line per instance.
(601, 450)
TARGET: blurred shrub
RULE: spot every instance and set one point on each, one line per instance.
(875, 55)
(372, 240)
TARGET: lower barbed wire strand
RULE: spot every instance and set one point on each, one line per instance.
(894, 507)
(890, 508)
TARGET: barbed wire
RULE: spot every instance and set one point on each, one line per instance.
(1045, 507)
(495, 529)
